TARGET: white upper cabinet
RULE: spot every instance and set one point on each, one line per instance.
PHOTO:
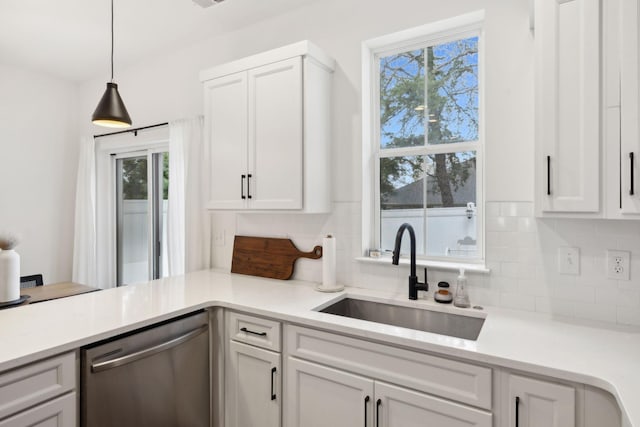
(629, 107)
(587, 108)
(267, 125)
(568, 107)
(226, 100)
(275, 135)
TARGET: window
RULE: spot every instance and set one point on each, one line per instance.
(427, 151)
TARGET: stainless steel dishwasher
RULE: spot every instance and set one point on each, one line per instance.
(158, 376)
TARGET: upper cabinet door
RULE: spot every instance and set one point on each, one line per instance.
(226, 129)
(275, 135)
(629, 109)
(568, 92)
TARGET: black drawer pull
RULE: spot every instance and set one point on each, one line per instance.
(548, 175)
(517, 411)
(242, 177)
(378, 404)
(248, 331)
(273, 374)
(249, 186)
(631, 192)
(366, 401)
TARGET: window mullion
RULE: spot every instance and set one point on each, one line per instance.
(403, 152)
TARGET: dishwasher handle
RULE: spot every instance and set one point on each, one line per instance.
(108, 364)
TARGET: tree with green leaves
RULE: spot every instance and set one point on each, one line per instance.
(429, 95)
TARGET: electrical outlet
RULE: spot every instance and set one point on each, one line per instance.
(569, 261)
(618, 265)
(218, 238)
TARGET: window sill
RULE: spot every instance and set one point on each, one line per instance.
(438, 265)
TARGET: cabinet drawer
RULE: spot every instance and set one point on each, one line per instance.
(32, 384)
(60, 412)
(446, 378)
(254, 330)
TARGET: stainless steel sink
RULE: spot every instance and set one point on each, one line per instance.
(454, 325)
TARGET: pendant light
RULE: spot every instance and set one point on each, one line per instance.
(111, 111)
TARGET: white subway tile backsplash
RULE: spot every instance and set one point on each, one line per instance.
(628, 298)
(599, 312)
(501, 223)
(510, 270)
(492, 209)
(527, 225)
(576, 293)
(522, 209)
(554, 307)
(628, 316)
(517, 301)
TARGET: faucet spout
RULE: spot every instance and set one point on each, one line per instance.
(414, 284)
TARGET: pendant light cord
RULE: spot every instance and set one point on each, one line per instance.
(111, 41)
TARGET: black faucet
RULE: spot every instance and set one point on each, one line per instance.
(414, 285)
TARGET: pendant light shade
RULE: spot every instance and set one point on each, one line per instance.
(111, 111)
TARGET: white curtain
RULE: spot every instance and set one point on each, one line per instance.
(187, 219)
(84, 241)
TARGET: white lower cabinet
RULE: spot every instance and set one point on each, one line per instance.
(320, 396)
(60, 412)
(538, 403)
(40, 394)
(252, 387)
(397, 406)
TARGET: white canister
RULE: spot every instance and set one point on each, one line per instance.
(9, 275)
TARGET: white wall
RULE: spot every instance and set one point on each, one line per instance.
(520, 249)
(38, 163)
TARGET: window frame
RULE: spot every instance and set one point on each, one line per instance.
(464, 26)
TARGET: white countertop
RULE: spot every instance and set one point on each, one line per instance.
(601, 356)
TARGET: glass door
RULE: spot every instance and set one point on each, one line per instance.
(142, 180)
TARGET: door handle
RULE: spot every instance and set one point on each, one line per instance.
(249, 331)
(249, 186)
(242, 177)
(366, 402)
(113, 363)
(517, 411)
(378, 404)
(273, 374)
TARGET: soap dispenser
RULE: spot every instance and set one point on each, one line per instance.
(462, 297)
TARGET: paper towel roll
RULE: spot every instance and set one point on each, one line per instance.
(329, 262)
(9, 275)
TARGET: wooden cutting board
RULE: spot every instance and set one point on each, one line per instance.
(267, 257)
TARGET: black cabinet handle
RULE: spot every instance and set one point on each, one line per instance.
(366, 401)
(631, 192)
(517, 411)
(273, 374)
(378, 404)
(248, 331)
(548, 175)
(242, 186)
(249, 186)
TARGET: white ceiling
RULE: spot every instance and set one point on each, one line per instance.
(71, 38)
